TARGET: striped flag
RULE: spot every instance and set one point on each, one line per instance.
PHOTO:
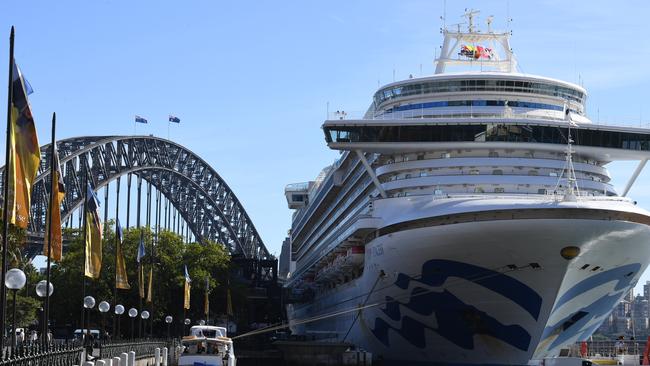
(57, 194)
(121, 279)
(24, 151)
(174, 119)
(93, 235)
(139, 119)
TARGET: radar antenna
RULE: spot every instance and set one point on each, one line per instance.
(469, 14)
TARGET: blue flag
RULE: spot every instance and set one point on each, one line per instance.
(141, 252)
(118, 230)
(187, 275)
(140, 119)
(174, 119)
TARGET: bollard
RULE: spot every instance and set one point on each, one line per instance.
(117, 361)
(156, 356)
(131, 358)
(100, 363)
(164, 357)
(124, 359)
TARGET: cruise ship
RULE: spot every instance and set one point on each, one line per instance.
(470, 218)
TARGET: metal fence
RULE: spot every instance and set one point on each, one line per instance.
(37, 355)
(142, 348)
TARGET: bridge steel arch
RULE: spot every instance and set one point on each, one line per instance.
(194, 188)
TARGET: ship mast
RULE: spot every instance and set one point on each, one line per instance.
(489, 49)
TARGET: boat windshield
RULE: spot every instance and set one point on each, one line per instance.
(205, 347)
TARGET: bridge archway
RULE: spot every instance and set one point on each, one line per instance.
(202, 198)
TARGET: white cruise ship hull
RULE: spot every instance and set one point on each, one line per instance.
(488, 288)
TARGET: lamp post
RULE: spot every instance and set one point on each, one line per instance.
(89, 303)
(43, 291)
(133, 312)
(145, 315)
(168, 320)
(186, 322)
(119, 310)
(14, 280)
(103, 307)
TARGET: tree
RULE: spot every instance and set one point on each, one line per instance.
(209, 260)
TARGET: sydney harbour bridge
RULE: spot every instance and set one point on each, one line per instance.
(196, 201)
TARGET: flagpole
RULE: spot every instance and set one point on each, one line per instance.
(53, 173)
(117, 245)
(85, 218)
(5, 215)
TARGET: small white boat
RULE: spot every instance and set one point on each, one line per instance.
(207, 346)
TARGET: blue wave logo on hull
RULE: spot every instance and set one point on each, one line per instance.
(456, 321)
(577, 322)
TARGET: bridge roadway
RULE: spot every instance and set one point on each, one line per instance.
(185, 184)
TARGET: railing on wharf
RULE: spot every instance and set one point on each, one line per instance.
(143, 348)
(35, 354)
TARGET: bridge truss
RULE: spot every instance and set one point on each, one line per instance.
(201, 197)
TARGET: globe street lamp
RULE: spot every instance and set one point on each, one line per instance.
(89, 303)
(43, 291)
(186, 322)
(119, 310)
(133, 312)
(14, 280)
(168, 320)
(145, 315)
(103, 307)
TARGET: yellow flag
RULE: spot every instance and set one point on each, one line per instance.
(54, 209)
(24, 152)
(121, 279)
(150, 288)
(93, 236)
(186, 303)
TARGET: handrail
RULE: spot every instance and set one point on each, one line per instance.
(143, 348)
(36, 354)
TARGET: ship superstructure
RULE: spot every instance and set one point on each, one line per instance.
(470, 218)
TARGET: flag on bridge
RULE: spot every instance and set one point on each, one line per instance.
(93, 238)
(174, 119)
(24, 151)
(121, 279)
(139, 119)
(57, 194)
(186, 295)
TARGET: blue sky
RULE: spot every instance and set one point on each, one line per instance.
(251, 79)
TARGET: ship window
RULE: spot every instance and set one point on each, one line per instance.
(497, 172)
(474, 172)
(541, 191)
(493, 154)
(297, 197)
(499, 190)
(479, 190)
(533, 172)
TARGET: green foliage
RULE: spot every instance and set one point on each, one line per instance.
(209, 260)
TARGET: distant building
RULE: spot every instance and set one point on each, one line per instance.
(285, 259)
